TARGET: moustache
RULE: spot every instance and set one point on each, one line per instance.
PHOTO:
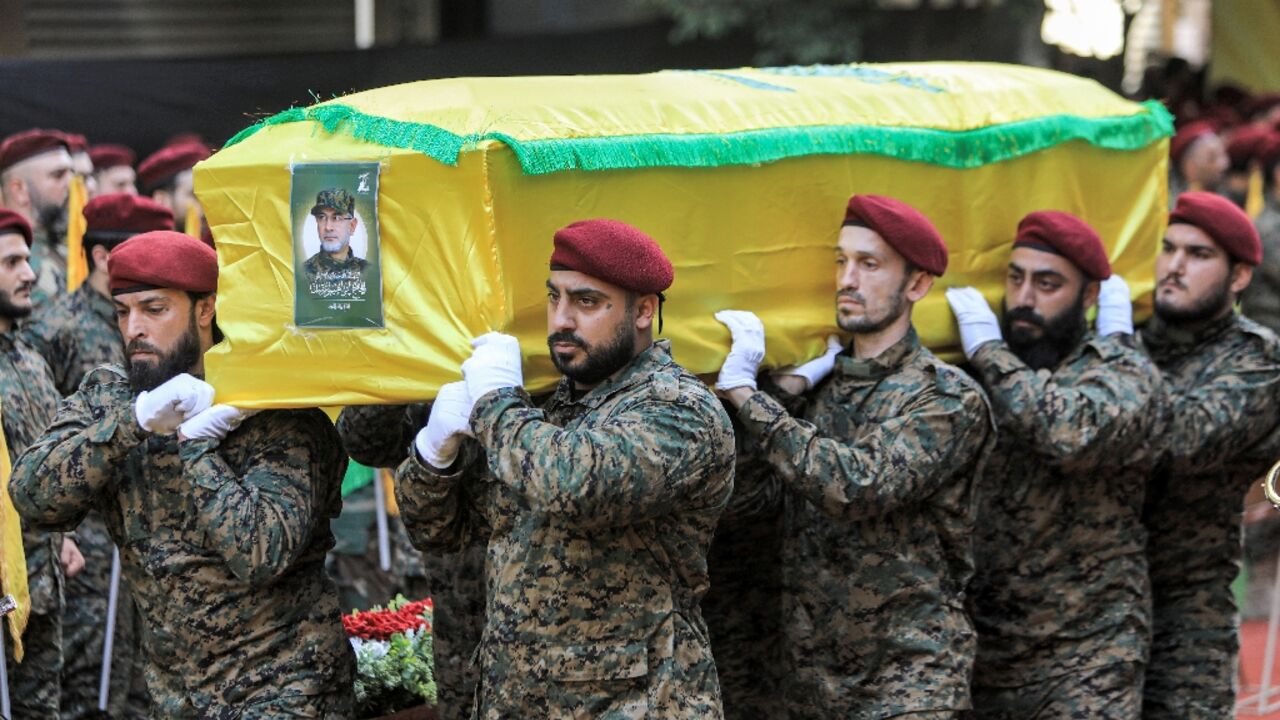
(26, 286)
(1025, 314)
(565, 336)
(140, 346)
(852, 295)
(1172, 280)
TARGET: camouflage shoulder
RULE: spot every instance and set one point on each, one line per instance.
(951, 380)
(1263, 336)
(105, 375)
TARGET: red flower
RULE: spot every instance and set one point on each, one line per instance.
(382, 624)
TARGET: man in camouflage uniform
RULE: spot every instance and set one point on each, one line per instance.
(1222, 372)
(601, 503)
(35, 182)
(28, 401)
(77, 334)
(382, 436)
(878, 478)
(1060, 599)
(223, 528)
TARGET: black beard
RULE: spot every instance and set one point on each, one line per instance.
(598, 363)
(11, 311)
(54, 220)
(1059, 336)
(866, 326)
(1206, 308)
(146, 376)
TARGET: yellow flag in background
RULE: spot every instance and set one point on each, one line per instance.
(1255, 198)
(191, 224)
(77, 266)
(13, 561)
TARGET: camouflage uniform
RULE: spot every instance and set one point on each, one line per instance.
(76, 333)
(223, 543)
(878, 518)
(1060, 599)
(743, 606)
(49, 263)
(601, 508)
(1224, 384)
(382, 436)
(1262, 299)
(324, 262)
(28, 401)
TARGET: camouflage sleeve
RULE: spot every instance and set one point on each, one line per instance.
(435, 510)
(378, 435)
(1101, 414)
(757, 489)
(1208, 424)
(670, 447)
(62, 475)
(261, 521)
(899, 462)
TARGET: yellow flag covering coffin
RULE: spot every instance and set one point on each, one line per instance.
(741, 175)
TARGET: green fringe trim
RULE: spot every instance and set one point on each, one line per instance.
(953, 149)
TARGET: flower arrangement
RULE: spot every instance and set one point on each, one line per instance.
(394, 668)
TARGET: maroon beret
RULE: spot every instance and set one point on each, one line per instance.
(906, 229)
(27, 144)
(1221, 220)
(162, 259)
(11, 221)
(169, 161)
(77, 143)
(1188, 134)
(1066, 235)
(614, 252)
(109, 156)
(1247, 143)
(126, 213)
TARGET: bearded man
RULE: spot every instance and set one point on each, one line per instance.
(1060, 599)
(221, 515)
(35, 182)
(599, 505)
(877, 465)
(1222, 372)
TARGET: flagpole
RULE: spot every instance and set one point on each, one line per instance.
(108, 641)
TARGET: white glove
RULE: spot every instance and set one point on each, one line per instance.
(494, 364)
(162, 410)
(978, 325)
(818, 368)
(1115, 310)
(450, 419)
(746, 352)
(215, 422)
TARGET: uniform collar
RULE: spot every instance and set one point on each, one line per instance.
(887, 362)
(1162, 338)
(656, 357)
(97, 302)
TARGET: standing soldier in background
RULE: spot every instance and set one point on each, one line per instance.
(76, 334)
(113, 169)
(28, 401)
(1197, 159)
(165, 176)
(1060, 599)
(35, 182)
(878, 480)
(601, 503)
(381, 436)
(223, 527)
(1222, 372)
(1262, 300)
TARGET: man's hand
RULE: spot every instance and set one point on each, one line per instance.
(450, 419)
(746, 351)
(70, 557)
(1115, 309)
(214, 423)
(812, 372)
(162, 410)
(494, 364)
(978, 325)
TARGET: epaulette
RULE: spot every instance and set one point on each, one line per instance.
(665, 386)
(105, 375)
